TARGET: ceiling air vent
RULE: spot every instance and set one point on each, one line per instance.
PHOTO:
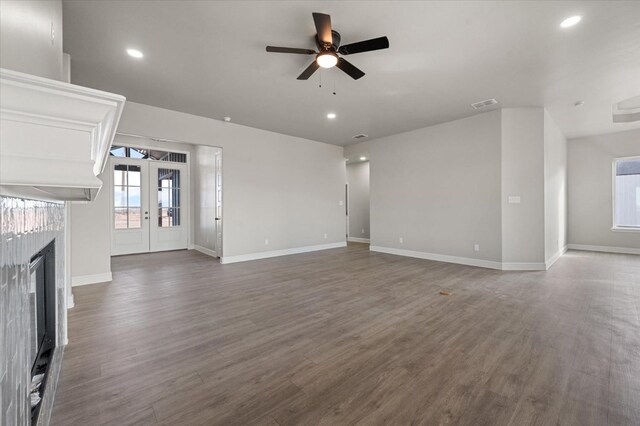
(483, 104)
(361, 136)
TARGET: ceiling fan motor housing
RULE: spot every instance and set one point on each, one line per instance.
(334, 46)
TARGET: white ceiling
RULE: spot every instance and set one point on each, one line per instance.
(209, 59)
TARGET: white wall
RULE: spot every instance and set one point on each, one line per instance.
(25, 37)
(358, 180)
(438, 188)
(204, 175)
(276, 187)
(590, 190)
(523, 176)
(555, 189)
(266, 194)
(91, 237)
(445, 188)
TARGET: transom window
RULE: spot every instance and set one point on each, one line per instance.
(147, 154)
(626, 206)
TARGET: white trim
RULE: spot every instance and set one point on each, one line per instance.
(204, 250)
(91, 279)
(614, 169)
(276, 253)
(438, 257)
(481, 263)
(623, 229)
(70, 301)
(523, 266)
(555, 257)
(359, 240)
(605, 249)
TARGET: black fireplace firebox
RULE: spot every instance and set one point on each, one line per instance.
(42, 298)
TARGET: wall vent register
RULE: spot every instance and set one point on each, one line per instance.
(484, 104)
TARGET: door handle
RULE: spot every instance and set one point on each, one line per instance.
(217, 218)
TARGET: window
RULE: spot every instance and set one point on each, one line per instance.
(626, 206)
(168, 198)
(147, 154)
(126, 196)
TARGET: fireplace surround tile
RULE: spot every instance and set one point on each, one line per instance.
(26, 227)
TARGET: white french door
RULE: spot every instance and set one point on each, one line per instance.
(129, 206)
(169, 206)
(150, 205)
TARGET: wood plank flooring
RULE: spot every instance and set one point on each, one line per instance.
(345, 336)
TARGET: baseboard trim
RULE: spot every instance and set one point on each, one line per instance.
(481, 263)
(205, 250)
(438, 257)
(523, 266)
(604, 249)
(359, 240)
(91, 279)
(555, 257)
(277, 253)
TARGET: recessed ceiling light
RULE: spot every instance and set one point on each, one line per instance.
(578, 104)
(331, 115)
(363, 158)
(570, 22)
(135, 53)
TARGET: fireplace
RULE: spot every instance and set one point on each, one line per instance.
(33, 308)
(42, 304)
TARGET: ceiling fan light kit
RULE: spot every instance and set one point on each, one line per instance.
(328, 43)
(327, 59)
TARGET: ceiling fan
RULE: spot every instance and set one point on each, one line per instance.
(328, 42)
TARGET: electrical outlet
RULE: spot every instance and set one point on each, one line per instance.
(325, 236)
(340, 203)
(362, 232)
(266, 241)
(401, 240)
(476, 247)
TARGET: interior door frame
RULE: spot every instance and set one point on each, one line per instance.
(148, 142)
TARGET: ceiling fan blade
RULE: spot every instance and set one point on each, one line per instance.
(323, 27)
(365, 46)
(290, 50)
(309, 71)
(347, 67)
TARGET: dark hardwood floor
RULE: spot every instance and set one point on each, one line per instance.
(346, 336)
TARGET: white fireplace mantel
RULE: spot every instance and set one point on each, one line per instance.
(54, 137)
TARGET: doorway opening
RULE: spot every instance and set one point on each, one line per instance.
(357, 206)
(165, 195)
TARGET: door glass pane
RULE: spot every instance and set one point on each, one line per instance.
(120, 196)
(134, 196)
(120, 175)
(168, 217)
(135, 221)
(134, 176)
(127, 196)
(120, 215)
(168, 197)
